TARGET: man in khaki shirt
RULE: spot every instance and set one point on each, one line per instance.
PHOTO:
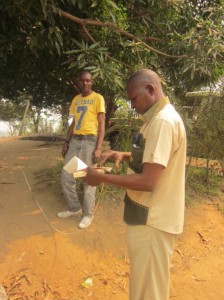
(154, 202)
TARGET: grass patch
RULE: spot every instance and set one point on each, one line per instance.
(103, 191)
(200, 186)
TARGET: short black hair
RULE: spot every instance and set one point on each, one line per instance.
(84, 72)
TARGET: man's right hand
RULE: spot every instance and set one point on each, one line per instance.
(64, 149)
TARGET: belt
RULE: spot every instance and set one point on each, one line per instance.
(84, 137)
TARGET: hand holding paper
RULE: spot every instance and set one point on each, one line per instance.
(92, 177)
(78, 168)
(74, 165)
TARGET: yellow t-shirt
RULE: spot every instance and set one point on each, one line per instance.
(165, 144)
(84, 111)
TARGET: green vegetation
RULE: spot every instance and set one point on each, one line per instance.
(206, 135)
(199, 188)
(44, 44)
(52, 178)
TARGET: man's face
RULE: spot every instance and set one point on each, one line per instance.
(141, 96)
(85, 84)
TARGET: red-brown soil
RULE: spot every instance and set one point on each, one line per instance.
(44, 257)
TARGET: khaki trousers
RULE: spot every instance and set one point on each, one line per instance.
(150, 252)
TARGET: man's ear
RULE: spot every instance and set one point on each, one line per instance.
(150, 88)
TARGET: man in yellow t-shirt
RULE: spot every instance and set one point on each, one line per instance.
(155, 183)
(84, 140)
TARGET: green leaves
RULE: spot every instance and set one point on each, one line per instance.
(111, 39)
(84, 54)
(9, 111)
(203, 40)
(206, 137)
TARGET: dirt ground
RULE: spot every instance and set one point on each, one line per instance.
(44, 257)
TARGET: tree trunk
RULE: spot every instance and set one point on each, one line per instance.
(36, 121)
(24, 117)
(111, 108)
(65, 116)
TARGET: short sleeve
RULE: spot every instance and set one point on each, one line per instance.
(100, 104)
(159, 143)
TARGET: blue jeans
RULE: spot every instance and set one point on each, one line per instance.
(83, 148)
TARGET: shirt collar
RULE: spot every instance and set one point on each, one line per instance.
(155, 109)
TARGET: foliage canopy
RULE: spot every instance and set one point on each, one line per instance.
(44, 43)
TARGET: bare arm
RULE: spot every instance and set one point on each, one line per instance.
(68, 138)
(101, 132)
(145, 181)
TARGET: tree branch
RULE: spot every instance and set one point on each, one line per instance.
(88, 34)
(94, 41)
(84, 22)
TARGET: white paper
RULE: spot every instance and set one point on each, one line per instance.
(99, 169)
(75, 164)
